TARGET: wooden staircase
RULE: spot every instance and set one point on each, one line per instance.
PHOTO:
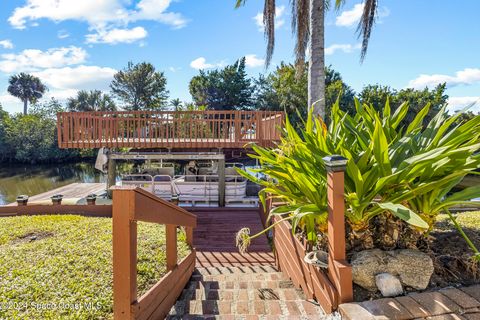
(229, 285)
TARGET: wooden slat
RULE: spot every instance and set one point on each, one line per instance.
(158, 300)
(138, 129)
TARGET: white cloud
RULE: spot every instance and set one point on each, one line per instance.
(466, 76)
(174, 69)
(458, 103)
(62, 34)
(252, 61)
(6, 44)
(115, 36)
(66, 82)
(34, 59)
(101, 15)
(279, 18)
(77, 78)
(346, 48)
(350, 17)
(201, 63)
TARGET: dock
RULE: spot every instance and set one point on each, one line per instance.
(73, 191)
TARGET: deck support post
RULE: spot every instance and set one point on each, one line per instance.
(221, 182)
(111, 175)
(339, 271)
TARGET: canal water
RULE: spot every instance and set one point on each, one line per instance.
(35, 179)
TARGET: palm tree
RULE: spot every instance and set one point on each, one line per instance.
(309, 28)
(27, 88)
(94, 100)
(177, 104)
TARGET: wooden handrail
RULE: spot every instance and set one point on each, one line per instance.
(130, 205)
(168, 129)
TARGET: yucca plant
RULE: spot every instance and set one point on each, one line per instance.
(397, 179)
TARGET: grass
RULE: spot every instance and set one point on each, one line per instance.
(61, 266)
(465, 219)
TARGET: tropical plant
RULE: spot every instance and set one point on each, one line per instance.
(140, 87)
(177, 104)
(94, 100)
(398, 179)
(27, 88)
(223, 89)
(309, 28)
(284, 90)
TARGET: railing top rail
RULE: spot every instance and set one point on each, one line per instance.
(210, 112)
(150, 208)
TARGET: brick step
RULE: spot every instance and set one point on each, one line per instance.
(262, 294)
(223, 309)
(230, 249)
(273, 276)
(239, 284)
(237, 270)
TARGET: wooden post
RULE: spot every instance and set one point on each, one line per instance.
(171, 242)
(189, 236)
(111, 175)
(124, 253)
(339, 271)
(221, 182)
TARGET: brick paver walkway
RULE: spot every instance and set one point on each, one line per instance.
(257, 292)
(445, 304)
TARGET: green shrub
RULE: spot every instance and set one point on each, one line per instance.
(398, 179)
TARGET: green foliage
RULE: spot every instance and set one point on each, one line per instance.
(33, 138)
(47, 109)
(377, 95)
(93, 100)
(27, 88)
(285, 90)
(140, 87)
(71, 262)
(392, 172)
(224, 89)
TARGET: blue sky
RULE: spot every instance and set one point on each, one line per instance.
(73, 45)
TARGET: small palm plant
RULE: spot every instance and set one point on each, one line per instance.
(27, 88)
(397, 179)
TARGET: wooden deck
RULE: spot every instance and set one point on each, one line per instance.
(214, 238)
(72, 193)
(168, 129)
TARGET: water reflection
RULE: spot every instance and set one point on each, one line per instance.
(32, 180)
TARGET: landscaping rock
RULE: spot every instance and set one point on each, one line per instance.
(414, 268)
(389, 285)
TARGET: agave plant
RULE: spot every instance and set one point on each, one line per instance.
(397, 179)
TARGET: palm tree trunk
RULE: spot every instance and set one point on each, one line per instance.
(316, 65)
(25, 105)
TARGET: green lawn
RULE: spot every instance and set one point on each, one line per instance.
(61, 266)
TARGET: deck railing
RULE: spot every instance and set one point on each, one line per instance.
(132, 205)
(168, 129)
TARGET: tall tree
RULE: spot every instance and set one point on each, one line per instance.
(309, 28)
(94, 100)
(224, 89)
(140, 87)
(27, 88)
(284, 90)
(177, 104)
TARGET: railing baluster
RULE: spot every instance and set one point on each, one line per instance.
(171, 242)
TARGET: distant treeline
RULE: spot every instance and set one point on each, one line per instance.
(31, 137)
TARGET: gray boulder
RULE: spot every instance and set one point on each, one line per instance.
(414, 268)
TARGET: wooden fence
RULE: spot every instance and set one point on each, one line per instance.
(168, 129)
(329, 287)
(132, 205)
